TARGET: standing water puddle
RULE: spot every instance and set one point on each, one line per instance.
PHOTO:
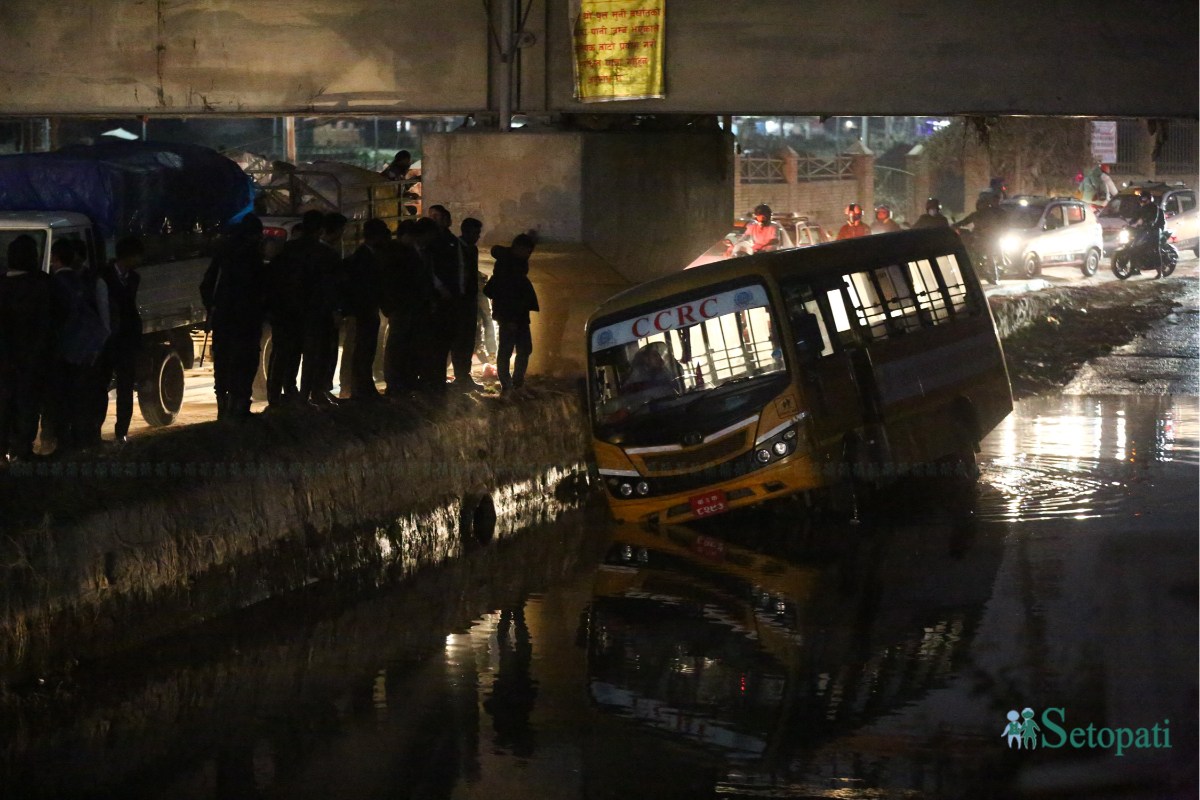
(1085, 457)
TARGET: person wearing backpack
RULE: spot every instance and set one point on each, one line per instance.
(81, 328)
(513, 298)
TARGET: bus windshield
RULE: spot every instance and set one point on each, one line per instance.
(693, 353)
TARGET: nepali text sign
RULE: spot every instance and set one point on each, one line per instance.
(618, 50)
(1104, 141)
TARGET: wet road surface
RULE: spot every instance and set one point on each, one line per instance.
(770, 654)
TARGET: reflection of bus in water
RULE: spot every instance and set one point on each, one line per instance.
(765, 658)
(750, 379)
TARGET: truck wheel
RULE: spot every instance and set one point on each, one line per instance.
(160, 393)
(377, 368)
(259, 390)
(1090, 263)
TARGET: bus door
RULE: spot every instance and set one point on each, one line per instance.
(825, 345)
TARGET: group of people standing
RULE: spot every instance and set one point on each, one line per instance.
(423, 278)
(65, 337)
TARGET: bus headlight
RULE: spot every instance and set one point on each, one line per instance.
(1010, 242)
(763, 456)
(643, 488)
(780, 448)
(625, 490)
(1123, 236)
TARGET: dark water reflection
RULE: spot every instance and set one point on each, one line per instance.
(771, 654)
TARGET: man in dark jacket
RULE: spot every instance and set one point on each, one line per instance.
(234, 292)
(446, 258)
(26, 305)
(81, 325)
(513, 297)
(120, 355)
(293, 293)
(364, 281)
(407, 300)
(466, 314)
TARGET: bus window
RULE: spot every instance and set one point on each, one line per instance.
(872, 315)
(808, 324)
(952, 278)
(929, 294)
(897, 299)
(837, 306)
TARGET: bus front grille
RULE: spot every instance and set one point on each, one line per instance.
(697, 458)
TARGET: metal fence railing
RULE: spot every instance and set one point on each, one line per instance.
(772, 169)
(893, 186)
(814, 168)
(762, 169)
(1177, 156)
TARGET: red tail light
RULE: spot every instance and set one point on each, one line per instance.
(275, 233)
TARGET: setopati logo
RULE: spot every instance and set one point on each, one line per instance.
(1024, 732)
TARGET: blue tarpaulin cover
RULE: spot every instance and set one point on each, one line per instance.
(130, 187)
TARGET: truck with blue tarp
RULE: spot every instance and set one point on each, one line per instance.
(176, 197)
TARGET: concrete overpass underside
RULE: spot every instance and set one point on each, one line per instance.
(613, 207)
(195, 57)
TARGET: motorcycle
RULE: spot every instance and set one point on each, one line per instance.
(986, 257)
(1134, 255)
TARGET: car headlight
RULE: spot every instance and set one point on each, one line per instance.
(643, 488)
(626, 490)
(763, 456)
(780, 448)
(1123, 236)
(1010, 242)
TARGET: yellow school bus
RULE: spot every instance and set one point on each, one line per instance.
(754, 378)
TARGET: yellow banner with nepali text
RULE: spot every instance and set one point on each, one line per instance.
(618, 49)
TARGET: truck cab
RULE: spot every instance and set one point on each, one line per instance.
(46, 227)
(168, 300)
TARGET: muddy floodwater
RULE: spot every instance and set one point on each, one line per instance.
(769, 654)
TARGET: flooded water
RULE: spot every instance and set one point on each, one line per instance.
(769, 654)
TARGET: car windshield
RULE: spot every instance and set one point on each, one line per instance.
(695, 353)
(1124, 206)
(1024, 216)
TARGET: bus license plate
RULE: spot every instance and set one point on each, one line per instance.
(708, 503)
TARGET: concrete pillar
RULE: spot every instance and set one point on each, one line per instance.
(611, 209)
(790, 160)
(1143, 149)
(862, 164)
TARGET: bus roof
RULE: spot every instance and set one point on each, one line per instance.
(831, 257)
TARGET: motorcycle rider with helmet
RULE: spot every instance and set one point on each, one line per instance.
(761, 233)
(883, 220)
(932, 218)
(1150, 222)
(854, 226)
(986, 224)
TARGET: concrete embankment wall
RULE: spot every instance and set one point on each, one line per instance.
(1017, 311)
(101, 553)
(104, 552)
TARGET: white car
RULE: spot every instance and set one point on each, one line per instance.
(1050, 232)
